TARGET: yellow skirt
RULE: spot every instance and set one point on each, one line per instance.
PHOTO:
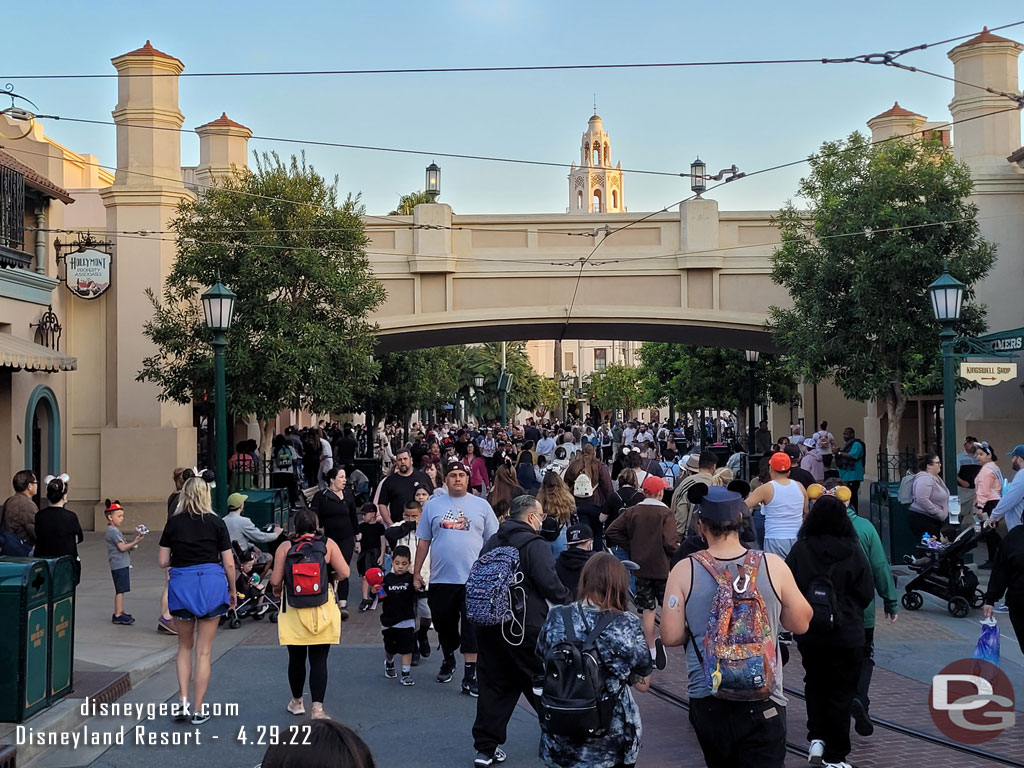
(310, 626)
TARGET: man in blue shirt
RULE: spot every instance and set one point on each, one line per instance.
(850, 461)
(453, 529)
(1012, 503)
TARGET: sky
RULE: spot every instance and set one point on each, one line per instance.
(657, 119)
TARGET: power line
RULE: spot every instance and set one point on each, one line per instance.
(364, 147)
(512, 68)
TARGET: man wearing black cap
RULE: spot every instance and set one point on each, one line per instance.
(569, 565)
(750, 732)
(453, 529)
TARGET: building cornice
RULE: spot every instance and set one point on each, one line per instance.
(26, 285)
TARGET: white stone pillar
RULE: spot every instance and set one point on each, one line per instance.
(142, 439)
(223, 145)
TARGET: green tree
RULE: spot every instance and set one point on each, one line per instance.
(407, 202)
(619, 386)
(485, 359)
(300, 337)
(691, 377)
(416, 379)
(883, 222)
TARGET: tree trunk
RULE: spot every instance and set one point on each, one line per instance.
(266, 436)
(895, 405)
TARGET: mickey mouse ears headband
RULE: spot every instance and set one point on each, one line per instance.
(817, 490)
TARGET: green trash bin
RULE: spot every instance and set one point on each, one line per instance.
(24, 647)
(265, 506)
(889, 515)
(62, 627)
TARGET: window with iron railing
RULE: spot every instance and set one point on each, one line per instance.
(12, 209)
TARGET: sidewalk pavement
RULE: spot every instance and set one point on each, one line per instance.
(107, 653)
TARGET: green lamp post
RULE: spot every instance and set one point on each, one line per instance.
(947, 295)
(219, 309)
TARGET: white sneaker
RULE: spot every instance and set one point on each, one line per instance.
(843, 764)
(814, 754)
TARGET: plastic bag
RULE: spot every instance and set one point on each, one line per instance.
(987, 648)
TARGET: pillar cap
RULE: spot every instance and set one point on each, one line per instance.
(984, 37)
(225, 121)
(151, 52)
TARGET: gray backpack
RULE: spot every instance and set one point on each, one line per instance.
(906, 492)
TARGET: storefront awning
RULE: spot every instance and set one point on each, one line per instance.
(29, 356)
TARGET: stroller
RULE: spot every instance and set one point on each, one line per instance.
(254, 597)
(946, 577)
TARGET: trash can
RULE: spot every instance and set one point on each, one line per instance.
(62, 627)
(265, 506)
(889, 516)
(24, 646)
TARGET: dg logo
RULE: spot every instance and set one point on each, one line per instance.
(971, 701)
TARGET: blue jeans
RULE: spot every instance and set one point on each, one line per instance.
(622, 554)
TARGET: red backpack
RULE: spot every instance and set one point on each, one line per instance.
(305, 572)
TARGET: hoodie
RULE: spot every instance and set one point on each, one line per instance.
(540, 583)
(843, 560)
(871, 545)
(569, 566)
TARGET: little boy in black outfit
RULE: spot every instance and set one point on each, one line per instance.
(398, 615)
(370, 546)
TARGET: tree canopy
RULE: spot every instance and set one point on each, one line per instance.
(619, 387)
(883, 222)
(294, 254)
(691, 377)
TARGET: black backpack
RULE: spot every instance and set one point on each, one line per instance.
(305, 573)
(575, 702)
(821, 594)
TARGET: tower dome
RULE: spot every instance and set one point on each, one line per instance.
(595, 185)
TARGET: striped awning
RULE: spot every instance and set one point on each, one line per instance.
(29, 356)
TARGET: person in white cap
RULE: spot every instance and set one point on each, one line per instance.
(812, 460)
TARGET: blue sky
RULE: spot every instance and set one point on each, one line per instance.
(657, 119)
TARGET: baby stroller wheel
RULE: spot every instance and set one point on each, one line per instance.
(979, 599)
(257, 615)
(959, 607)
(273, 617)
(235, 622)
(912, 600)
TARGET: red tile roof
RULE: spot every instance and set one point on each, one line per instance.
(149, 50)
(985, 37)
(225, 120)
(34, 179)
(896, 111)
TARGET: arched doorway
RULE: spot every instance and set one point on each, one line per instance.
(42, 434)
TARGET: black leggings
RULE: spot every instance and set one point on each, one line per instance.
(347, 547)
(317, 670)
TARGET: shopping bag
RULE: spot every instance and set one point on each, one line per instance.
(987, 648)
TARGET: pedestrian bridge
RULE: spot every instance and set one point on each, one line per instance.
(694, 277)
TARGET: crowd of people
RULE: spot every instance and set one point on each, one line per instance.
(619, 539)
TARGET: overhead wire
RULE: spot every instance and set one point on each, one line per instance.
(492, 69)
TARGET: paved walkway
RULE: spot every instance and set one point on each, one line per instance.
(429, 724)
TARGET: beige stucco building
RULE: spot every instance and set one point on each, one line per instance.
(698, 275)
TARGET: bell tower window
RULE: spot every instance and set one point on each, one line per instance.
(597, 201)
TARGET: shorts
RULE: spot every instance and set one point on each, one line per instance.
(367, 559)
(122, 581)
(398, 642)
(649, 593)
(422, 608)
(185, 613)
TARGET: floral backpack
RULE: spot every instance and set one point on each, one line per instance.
(739, 657)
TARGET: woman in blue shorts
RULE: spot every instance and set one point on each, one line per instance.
(196, 546)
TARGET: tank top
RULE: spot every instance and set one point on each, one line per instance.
(698, 609)
(784, 514)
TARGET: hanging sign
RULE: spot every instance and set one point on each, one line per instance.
(988, 374)
(88, 273)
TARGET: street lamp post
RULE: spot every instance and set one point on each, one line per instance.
(433, 187)
(219, 309)
(752, 357)
(947, 294)
(478, 383)
(564, 384)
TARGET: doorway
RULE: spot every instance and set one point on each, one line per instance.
(42, 435)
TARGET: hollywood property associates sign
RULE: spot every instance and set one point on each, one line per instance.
(88, 273)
